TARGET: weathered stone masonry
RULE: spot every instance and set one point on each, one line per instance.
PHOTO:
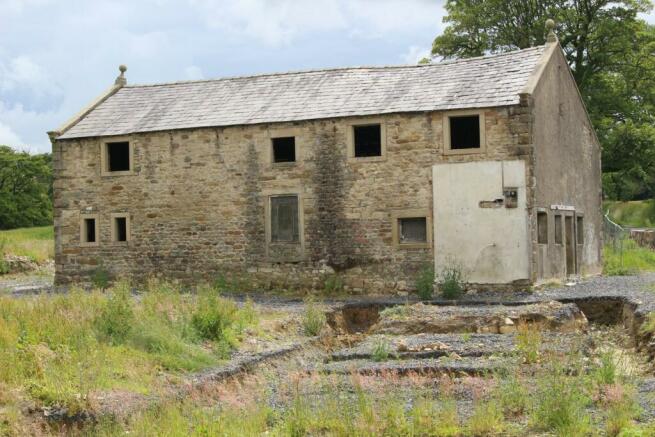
(489, 162)
(197, 198)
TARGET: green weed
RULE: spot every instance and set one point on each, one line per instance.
(560, 404)
(528, 343)
(425, 282)
(381, 350)
(487, 419)
(313, 319)
(451, 281)
(333, 284)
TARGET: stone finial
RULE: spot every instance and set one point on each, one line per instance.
(121, 80)
(550, 27)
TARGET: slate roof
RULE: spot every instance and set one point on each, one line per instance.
(469, 83)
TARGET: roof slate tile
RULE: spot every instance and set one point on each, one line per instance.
(478, 82)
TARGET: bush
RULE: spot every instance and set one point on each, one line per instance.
(116, 319)
(425, 282)
(451, 281)
(213, 316)
(313, 319)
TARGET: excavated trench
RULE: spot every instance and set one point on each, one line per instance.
(472, 337)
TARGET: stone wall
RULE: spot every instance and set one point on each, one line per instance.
(644, 237)
(197, 201)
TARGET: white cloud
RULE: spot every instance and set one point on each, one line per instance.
(193, 72)
(49, 72)
(280, 22)
(22, 71)
(9, 137)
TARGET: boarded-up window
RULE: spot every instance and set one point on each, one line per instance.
(284, 219)
(284, 149)
(579, 229)
(118, 156)
(542, 228)
(368, 140)
(413, 230)
(465, 132)
(89, 231)
(558, 229)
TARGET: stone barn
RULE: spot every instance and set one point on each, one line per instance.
(355, 176)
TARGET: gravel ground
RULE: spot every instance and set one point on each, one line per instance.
(463, 345)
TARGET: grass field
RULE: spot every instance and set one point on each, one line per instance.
(638, 214)
(35, 243)
(627, 258)
(59, 350)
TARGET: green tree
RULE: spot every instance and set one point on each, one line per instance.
(611, 52)
(25, 189)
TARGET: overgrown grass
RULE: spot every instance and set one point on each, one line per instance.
(35, 243)
(555, 401)
(627, 258)
(637, 213)
(57, 350)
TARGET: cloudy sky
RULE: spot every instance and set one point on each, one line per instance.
(57, 55)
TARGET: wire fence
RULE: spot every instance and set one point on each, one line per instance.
(615, 235)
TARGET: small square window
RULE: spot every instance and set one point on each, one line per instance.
(120, 231)
(558, 229)
(284, 149)
(542, 228)
(89, 230)
(118, 156)
(413, 230)
(579, 221)
(367, 140)
(464, 132)
(284, 219)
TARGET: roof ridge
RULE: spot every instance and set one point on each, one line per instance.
(322, 70)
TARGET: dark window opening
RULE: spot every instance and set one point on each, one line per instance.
(118, 156)
(284, 149)
(89, 230)
(542, 228)
(465, 132)
(413, 230)
(120, 228)
(368, 140)
(558, 229)
(579, 230)
(284, 219)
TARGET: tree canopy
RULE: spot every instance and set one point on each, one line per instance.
(25, 189)
(611, 52)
